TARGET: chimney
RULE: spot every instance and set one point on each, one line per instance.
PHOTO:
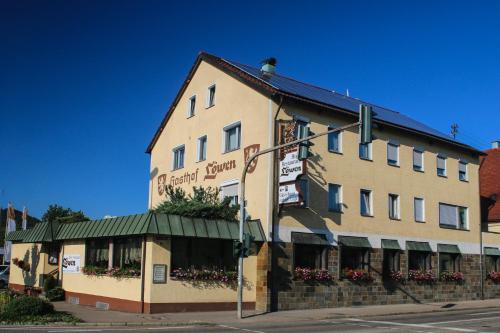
(495, 144)
(268, 66)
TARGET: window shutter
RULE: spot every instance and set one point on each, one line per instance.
(417, 158)
(441, 162)
(448, 215)
(392, 152)
(462, 167)
(230, 190)
(419, 209)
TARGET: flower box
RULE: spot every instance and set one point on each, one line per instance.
(308, 274)
(493, 276)
(204, 275)
(397, 276)
(113, 272)
(357, 275)
(422, 276)
(452, 276)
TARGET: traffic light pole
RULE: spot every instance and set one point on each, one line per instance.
(242, 199)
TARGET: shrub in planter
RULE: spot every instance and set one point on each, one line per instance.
(49, 283)
(55, 294)
(308, 274)
(26, 306)
(357, 275)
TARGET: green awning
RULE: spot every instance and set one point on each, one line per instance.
(309, 238)
(448, 248)
(141, 224)
(418, 246)
(352, 241)
(491, 251)
(16, 236)
(390, 244)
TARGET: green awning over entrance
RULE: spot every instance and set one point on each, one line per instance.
(390, 244)
(139, 224)
(448, 248)
(352, 241)
(309, 238)
(16, 236)
(491, 251)
(418, 246)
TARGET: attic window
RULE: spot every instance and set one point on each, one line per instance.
(211, 96)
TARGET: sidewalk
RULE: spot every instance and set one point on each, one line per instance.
(92, 316)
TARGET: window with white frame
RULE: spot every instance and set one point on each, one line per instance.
(178, 157)
(394, 206)
(392, 153)
(418, 159)
(365, 151)
(191, 106)
(462, 171)
(441, 166)
(232, 137)
(231, 191)
(419, 209)
(366, 203)
(334, 197)
(455, 217)
(202, 148)
(211, 96)
(334, 141)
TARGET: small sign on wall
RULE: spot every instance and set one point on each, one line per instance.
(159, 273)
(288, 194)
(71, 263)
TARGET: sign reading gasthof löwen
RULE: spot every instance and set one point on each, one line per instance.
(291, 167)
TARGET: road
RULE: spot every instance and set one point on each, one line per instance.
(480, 321)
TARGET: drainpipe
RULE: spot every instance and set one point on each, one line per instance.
(143, 271)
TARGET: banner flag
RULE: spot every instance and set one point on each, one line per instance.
(10, 226)
(25, 218)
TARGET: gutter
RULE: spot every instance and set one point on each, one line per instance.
(143, 271)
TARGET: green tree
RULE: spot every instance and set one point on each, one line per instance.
(61, 214)
(204, 203)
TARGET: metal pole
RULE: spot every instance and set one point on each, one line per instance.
(242, 200)
(481, 259)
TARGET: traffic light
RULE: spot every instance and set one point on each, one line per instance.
(304, 147)
(247, 243)
(237, 248)
(365, 124)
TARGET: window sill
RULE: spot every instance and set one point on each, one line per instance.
(419, 221)
(199, 161)
(464, 180)
(367, 215)
(393, 165)
(335, 152)
(210, 106)
(175, 169)
(191, 116)
(443, 176)
(366, 159)
(418, 170)
(230, 151)
(394, 218)
(452, 228)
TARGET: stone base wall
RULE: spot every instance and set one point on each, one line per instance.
(291, 294)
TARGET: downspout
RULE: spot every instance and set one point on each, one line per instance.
(143, 272)
(274, 293)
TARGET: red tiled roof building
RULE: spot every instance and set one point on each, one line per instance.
(489, 177)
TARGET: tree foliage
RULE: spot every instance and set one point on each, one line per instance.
(203, 202)
(61, 214)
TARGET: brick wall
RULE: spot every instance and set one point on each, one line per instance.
(291, 294)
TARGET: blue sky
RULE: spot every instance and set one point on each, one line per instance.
(84, 84)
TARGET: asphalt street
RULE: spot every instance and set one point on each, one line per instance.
(480, 321)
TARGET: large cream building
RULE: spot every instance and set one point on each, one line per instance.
(405, 207)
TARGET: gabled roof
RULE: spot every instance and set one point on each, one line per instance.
(275, 84)
(139, 224)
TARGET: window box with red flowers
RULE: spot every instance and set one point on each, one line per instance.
(308, 274)
(397, 276)
(493, 276)
(421, 276)
(357, 275)
(457, 277)
(204, 275)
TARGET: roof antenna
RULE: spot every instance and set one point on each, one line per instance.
(454, 131)
(347, 92)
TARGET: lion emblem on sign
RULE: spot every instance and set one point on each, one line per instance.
(162, 180)
(249, 151)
